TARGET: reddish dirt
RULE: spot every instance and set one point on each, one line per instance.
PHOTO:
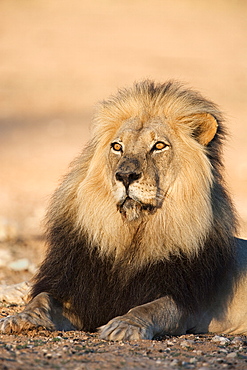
(57, 60)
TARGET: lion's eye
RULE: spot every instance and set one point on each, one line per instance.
(159, 146)
(117, 147)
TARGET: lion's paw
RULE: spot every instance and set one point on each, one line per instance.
(123, 328)
(23, 321)
(12, 324)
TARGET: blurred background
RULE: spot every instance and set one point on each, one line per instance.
(58, 58)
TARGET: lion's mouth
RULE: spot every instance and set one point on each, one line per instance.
(132, 209)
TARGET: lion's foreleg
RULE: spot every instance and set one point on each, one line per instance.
(43, 311)
(159, 317)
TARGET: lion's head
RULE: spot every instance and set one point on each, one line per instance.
(147, 156)
(149, 183)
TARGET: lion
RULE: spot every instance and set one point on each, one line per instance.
(141, 231)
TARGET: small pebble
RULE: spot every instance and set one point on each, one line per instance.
(237, 340)
(48, 356)
(187, 343)
(223, 351)
(222, 340)
(174, 363)
(193, 360)
(198, 352)
(232, 355)
(19, 265)
(170, 343)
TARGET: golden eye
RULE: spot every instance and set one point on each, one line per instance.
(159, 145)
(117, 147)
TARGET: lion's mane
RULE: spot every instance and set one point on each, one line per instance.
(100, 264)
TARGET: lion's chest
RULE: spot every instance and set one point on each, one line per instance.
(104, 294)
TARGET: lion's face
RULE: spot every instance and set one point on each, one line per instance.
(145, 182)
(139, 158)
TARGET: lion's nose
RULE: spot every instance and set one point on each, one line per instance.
(127, 177)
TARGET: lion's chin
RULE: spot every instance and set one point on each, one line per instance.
(133, 210)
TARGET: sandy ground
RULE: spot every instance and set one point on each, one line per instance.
(57, 59)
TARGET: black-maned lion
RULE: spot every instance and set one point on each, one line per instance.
(141, 231)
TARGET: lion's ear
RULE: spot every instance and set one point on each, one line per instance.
(204, 127)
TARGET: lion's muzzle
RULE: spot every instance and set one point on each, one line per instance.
(128, 171)
(136, 194)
